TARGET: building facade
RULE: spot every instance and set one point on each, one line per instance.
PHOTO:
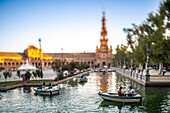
(102, 57)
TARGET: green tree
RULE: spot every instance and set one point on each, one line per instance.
(72, 65)
(159, 23)
(82, 66)
(10, 74)
(57, 65)
(35, 74)
(120, 55)
(27, 75)
(18, 73)
(39, 73)
(153, 33)
(6, 73)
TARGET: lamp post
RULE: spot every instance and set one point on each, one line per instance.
(124, 66)
(62, 61)
(120, 63)
(147, 62)
(131, 63)
(147, 65)
(40, 57)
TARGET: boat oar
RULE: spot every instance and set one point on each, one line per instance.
(124, 98)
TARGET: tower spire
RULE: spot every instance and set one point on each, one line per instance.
(104, 32)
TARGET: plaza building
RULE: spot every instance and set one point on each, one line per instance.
(102, 57)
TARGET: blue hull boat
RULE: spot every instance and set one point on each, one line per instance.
(46, 91)
(82, 79)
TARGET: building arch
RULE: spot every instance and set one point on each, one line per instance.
(17, 64)
(104, 63)
(49, 63)
(45, 63)
(9, 63)
(109, 65)
(13, 63)
(5, 63)
(36, 64)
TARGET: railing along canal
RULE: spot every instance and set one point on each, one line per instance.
(152, 80)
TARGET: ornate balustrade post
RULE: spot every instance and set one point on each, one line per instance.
(140, 77)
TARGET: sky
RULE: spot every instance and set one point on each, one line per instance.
(74, 25)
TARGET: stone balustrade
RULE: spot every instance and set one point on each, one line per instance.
(151, 80)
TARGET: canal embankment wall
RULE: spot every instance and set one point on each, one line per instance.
(145, 80)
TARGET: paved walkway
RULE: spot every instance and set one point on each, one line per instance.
(5, 88)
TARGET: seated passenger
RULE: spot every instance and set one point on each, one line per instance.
(43, 85)
(120, 92)
(131, 91)
(50, 86)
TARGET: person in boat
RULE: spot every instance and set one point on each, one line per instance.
(120, 92)
(84, 77)
(131, 91)
(50, 86)
(43, 85)
(164, 71)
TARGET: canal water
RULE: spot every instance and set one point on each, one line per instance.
(78, 97)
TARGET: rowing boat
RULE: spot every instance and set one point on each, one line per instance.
(82, 79)
(125, 98)
(47, 91)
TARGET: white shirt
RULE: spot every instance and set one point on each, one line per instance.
(132, 91)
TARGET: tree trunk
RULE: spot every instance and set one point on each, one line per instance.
(160, 68)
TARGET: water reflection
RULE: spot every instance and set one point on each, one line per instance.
(105, 82)
(78, 97)
(119, 106)
(1, 96)
(27, 89)
(73, 82)
(125, 83)
(160, 96)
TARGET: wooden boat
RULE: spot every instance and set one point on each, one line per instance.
(82, 79)
(115, 97)
(46, 91)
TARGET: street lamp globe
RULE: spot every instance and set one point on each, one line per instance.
(39, 39)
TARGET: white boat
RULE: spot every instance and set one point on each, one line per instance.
(84, 79)
(47, 91)
(115, 97)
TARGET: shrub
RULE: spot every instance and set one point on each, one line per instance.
(18, 73)
(60, 76)
(27, 75)
(6, 73)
